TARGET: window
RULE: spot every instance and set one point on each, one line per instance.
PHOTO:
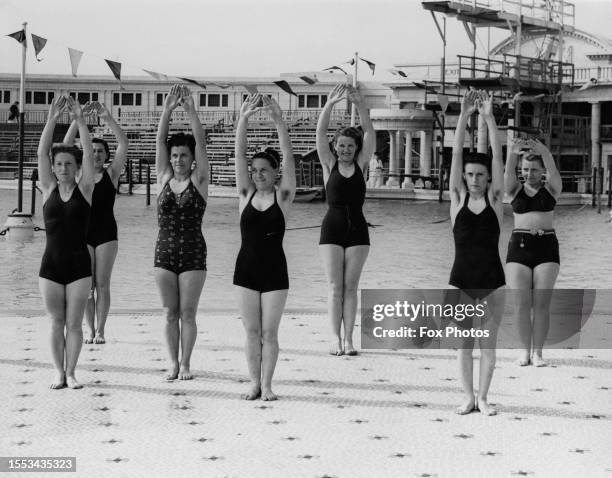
(312, 101)
(50, 96)
(214, 100)
(6, 96)
(83, 98)
(160, 97)
(28, 96)
(127, 99)
(138, 99)
(40, 97)
(94, 97)
(224, 101)
(116, 101)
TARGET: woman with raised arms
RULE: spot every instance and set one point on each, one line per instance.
(261, 268)
(476, 194)
(532, 264)
(345, 243)
(65, 270)
(180, 251)
(102, 234)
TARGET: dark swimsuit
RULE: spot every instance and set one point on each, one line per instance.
(102, 225)
(533, 247)
(477, 268)
(261, 263)
(344, 223)
(180, 244)
(66, 258)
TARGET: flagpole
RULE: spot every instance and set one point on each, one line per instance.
(355, 62)
(21, 121)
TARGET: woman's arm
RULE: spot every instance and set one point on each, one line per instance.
(45, 172)
(162, 163)
(326, 157)
(485, 109)
(511, 182)
(122, 143)
(553, 177)
(201, 173)
(86, 183)
(456, 185)
(248, 108)
(287, 184)
(369, 135)
(71, 134)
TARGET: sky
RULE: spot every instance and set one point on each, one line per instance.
(240, 38)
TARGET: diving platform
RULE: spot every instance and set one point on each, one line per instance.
(534, 17)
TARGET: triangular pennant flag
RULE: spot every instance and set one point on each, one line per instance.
(402, 74)
(307, 79)
(193, 82)
(443, 100)
(115, 67)
(252, 89)
(351, 61)
(370, 64)
(221, 85)
(331, 68)
(20, 36)
(39, 44)
(75, 59)
(283, 85)
(157, 76)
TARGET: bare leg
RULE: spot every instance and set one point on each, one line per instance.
(250, 311)
(354, 260)
(167, 283)
(544, 277)
(105, 259)
(190, 289)
(333, 261)
(76, 300)
(272, 305)
(519, 279)
(495, 309)
(90, 309)
(54, 298)
(466, 375)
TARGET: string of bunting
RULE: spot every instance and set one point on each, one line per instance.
(75, 57)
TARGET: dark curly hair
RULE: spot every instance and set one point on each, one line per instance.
(67, 148)
(182, 139)
(269, 154)
(477, 158)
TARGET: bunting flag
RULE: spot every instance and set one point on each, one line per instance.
(20, 36)
(115, 67)
(75, 59)
(39, 43)
(331, 68)
(307, 79)
(351, 61)
(221, 85)
(252, 89)
(370, 64)
(193, 82)
(283, 85)
(443, 100)
(402, 74)
(157, 76)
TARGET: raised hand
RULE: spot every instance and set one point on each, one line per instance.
(90, 109)
(537, 147)
(187, 100)
(74, 108)
(353, 95)
(251, 105)
(517, 145)
(273, 109)
(58, 105)
(485, 104)
(173, 98)
(337, 94)
(468, 104)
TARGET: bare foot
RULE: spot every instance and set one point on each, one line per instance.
(485, 408)
(336, 348)
(173, 375)
(467, 407)
(72, 382)
(99, 339)
(185, 374)
(253, 394)
(59, 382)
(268, 396)
(538, 361)
(523, 360)
(349, 349)
(89, 340)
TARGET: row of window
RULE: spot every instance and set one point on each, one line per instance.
(210, 100)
